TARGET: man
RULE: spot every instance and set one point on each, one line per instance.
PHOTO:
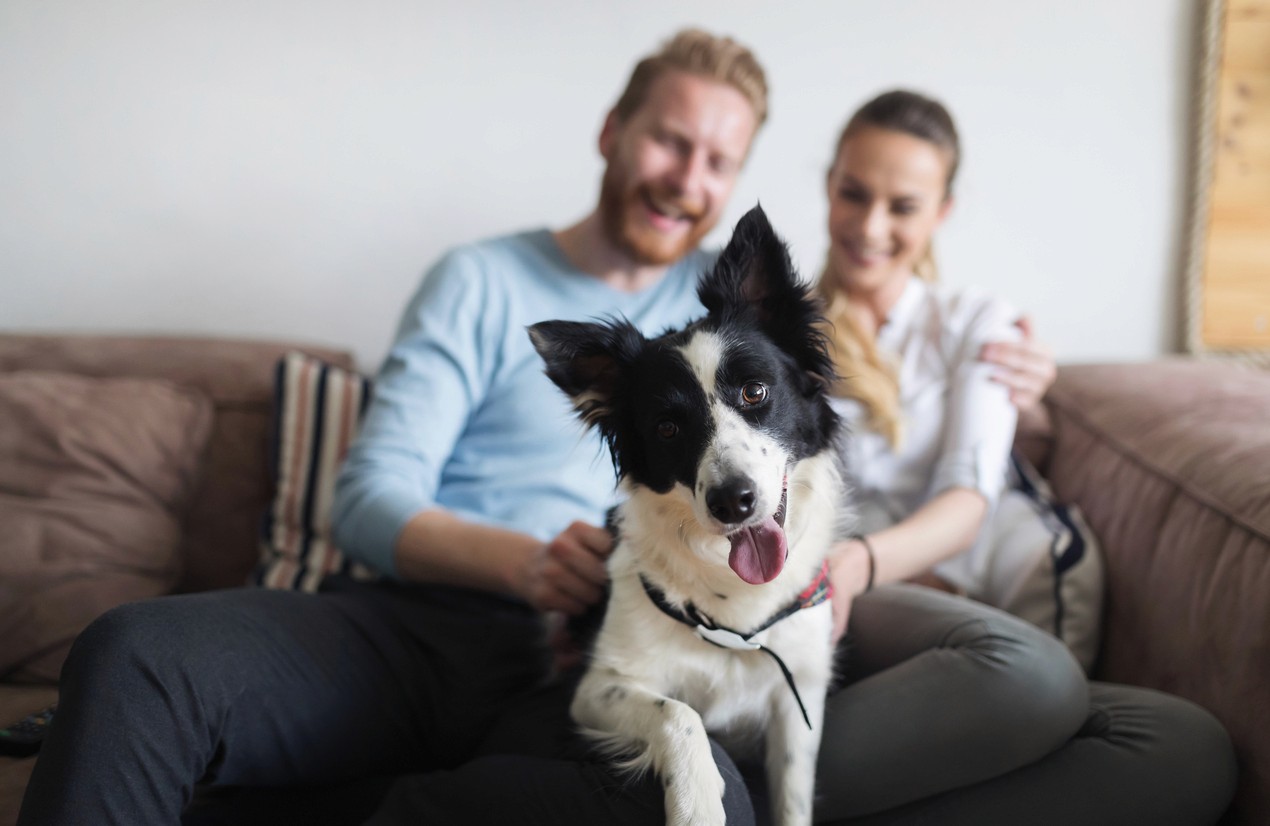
(471, 490)
(674, 145)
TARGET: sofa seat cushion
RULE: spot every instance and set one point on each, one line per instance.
(95, 478)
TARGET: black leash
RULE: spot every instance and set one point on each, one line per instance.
(723, 637)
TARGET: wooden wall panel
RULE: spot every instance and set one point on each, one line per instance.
(1235, 276)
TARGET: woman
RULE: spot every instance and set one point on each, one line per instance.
(953, 712)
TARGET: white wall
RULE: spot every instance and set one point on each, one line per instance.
(287, 168)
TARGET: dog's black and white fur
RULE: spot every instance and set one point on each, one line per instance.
(722, 438)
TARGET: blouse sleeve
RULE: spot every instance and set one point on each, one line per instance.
(980, 418)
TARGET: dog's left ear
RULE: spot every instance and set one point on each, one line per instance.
(755, 274)
(585, 360)
(753, 270)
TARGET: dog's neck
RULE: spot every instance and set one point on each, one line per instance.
(819, 590)
(662, 542)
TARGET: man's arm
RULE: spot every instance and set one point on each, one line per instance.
(386, 513)
(423, 397)
(1027, 366)
(566, 574)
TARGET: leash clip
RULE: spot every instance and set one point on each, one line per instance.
(724, 638)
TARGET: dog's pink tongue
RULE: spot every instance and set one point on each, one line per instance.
(758, 553)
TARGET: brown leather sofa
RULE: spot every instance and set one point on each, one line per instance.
(1169, 460)
(220, 517)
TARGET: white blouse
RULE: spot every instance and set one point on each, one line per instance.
(958, 424)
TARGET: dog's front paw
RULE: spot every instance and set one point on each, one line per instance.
(695, 798)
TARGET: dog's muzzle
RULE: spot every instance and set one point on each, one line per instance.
(758, 550)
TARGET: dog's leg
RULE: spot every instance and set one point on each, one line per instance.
(668, 736)
(792, 749)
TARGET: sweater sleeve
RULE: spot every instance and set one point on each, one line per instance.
(434, 375)
(980, 418)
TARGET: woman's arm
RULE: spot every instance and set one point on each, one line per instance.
(978, 422)
(945, 525)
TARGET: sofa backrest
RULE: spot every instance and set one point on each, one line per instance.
(220, 539)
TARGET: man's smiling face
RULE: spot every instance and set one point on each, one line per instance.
(672, 166)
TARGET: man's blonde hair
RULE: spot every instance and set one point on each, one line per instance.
(698, 53)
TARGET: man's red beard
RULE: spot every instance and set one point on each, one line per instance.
(642, 243)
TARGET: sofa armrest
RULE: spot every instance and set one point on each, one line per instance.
(1170, 462)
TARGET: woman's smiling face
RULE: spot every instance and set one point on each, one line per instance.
(888, 193)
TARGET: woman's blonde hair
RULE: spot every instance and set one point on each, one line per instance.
(864, 374)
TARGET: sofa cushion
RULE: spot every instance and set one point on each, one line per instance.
(222, 529)
(95, 477)
(317, 410)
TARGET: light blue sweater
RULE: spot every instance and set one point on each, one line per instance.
(462, 415)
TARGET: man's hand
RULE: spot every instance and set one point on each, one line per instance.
(1028, 367)
(567, 574)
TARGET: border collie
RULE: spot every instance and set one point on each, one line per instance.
(722, 439)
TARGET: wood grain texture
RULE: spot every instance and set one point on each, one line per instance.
(1235, 278)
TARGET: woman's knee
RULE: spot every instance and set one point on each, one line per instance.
(1175, 752)
(1025, 672)
(1006, 673)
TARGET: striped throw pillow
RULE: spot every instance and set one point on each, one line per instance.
(316, 413)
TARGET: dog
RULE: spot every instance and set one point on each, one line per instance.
(723, 442)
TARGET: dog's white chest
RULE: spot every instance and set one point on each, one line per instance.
(733, 681)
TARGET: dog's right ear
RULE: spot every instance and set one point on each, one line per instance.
(585, 360)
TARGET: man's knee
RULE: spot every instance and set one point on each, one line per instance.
(138, 638)
(737, 803)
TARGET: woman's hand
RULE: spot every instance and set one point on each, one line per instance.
(1028, 367)
(849, 567)
(567, 574)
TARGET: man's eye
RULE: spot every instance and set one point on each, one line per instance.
(723, 166)
(753, 393)
(667, 429)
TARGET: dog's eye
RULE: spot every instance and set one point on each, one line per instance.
(667, 429)
(753, 393)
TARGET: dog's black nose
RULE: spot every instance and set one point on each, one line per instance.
(732, 501)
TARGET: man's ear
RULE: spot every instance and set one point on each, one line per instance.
(608, 134)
